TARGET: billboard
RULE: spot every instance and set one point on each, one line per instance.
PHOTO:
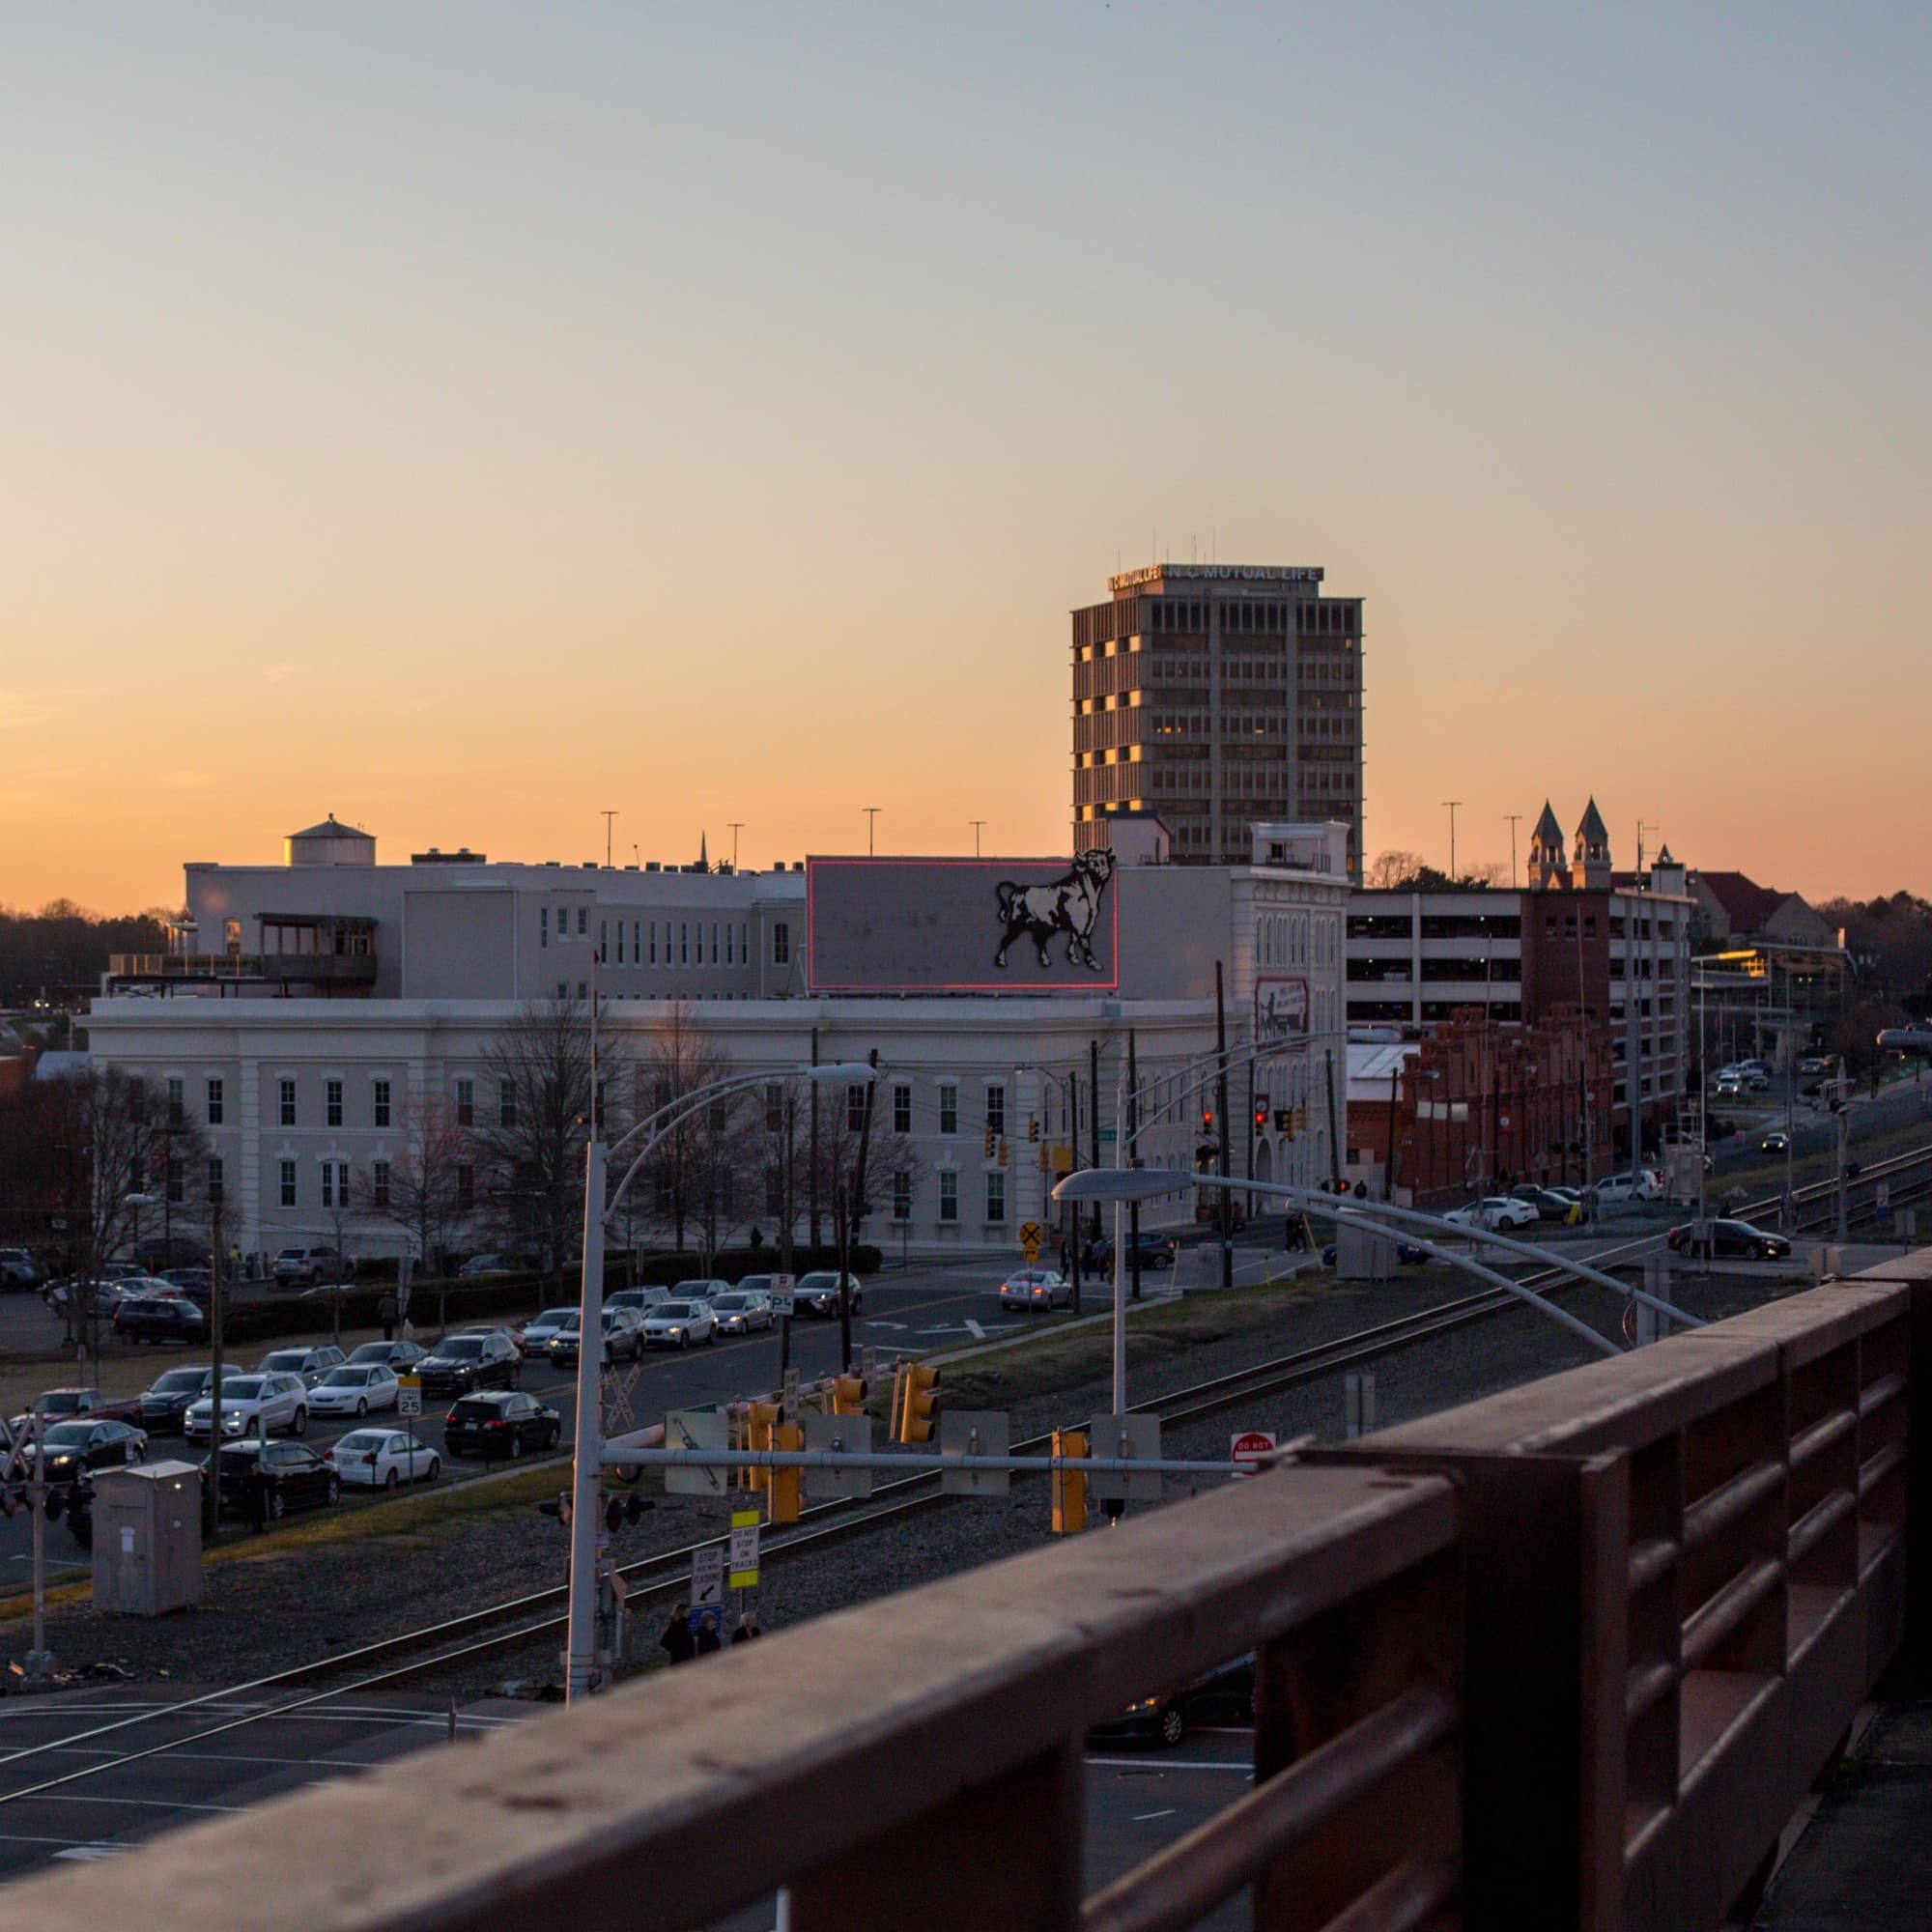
(1281, 1007)
(962, 926)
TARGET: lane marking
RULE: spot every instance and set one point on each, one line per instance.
(1143, 1817)
(140, 1803)
(1163, 1764)
(974, 1330)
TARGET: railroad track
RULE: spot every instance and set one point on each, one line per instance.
(477, 1634)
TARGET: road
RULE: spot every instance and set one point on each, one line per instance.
(926, 1310)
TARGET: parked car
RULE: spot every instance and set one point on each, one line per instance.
(1647, 1185)
(500, 1422)
(480, 1266)
(1224, 1696)
(310, 1364)
(740, 1309)
(78, 1448)
(509, 1329)
(537, 1333)
(1035, 1288)
(304, 1267)
(677, 1325)
(1774, 1143)
(159, 1318)
(196, 1283)
(355, 1389)
(757, 1284)
(159, 1251)
(382, 1458)
(818, 1292)
(461, 1363)
(402, 1356)
(1157, 1251)
(288, 1475)
(1757, 1083)
(165, 1404)
(109, 1292)
(19, 1271)
(1733, 1239)
(249, 1402)
(61, 1404)
(623, 1338)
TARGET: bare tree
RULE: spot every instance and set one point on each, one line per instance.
(418, 1189)
(532, 1135)
(702, 1171)
(1390, 870)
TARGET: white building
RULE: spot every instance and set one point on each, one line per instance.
(990, 1004)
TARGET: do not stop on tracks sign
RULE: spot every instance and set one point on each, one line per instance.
(1251, 1449)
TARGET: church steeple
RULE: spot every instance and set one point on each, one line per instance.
(703, 861)
(1549, 868)
(1590, 867)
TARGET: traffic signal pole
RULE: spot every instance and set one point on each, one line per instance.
(587, 1481)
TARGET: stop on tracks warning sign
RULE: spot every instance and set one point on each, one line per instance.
(1251, 1449)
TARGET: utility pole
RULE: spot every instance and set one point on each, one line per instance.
(608, 817)
(734, 826)
(211, 1500)
(1132, 1159)
(1452, 804)
(1094, 1123)
(790, 1215)
(871, 813)
(1843, 1123)
(976, 824)
(811, 1155)
(1514, 817)
(1221, 1157)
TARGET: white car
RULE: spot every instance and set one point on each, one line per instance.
(677, 1325)
(739, 1311)
(1035, 1288)
(382, 1458)
(538, 1331)
(355, 1389)
(310, 1364)
(1614, 1188)
(249, 1402)
(1497, 1214)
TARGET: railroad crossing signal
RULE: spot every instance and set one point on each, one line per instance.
(915, 1397)
(408, 1394)
(784, 1483)
(1070, 1486)
(1032, 1234)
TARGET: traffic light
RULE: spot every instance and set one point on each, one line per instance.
(1260, 1112)
(1005, 1154)
(845, 1395)
(784, 1483)
(1070, 1486)
(1207, 1120)
(915, 1399)
(992, 1143)
(761, 1419)
(1032, 1126)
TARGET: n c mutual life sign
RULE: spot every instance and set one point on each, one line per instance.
(962, 926)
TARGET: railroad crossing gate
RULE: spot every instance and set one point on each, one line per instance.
(697, 1428)
(1031, 1236)
(1252, 1447)
(846, 1434)
(408, 1394)
(742, 1561)
(973, 1433)
(1128, 1437)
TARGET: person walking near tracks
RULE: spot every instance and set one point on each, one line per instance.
(708, 1640)
(677, 1642)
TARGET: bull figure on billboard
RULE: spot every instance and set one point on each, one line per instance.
(1068, 904)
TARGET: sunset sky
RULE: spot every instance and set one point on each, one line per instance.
(466, 419)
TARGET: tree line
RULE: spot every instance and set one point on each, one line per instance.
(63, 948)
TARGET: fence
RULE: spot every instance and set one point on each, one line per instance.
(1565, 1657)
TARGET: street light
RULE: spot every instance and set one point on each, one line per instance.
(1121, 1185)
(586, 1476)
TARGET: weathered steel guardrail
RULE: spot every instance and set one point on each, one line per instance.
(1564, 1659)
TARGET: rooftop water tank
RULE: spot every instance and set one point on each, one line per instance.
(331, 843)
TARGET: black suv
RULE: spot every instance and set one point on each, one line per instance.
(164, 1405)
(466, 1362)
(284, 1475)
(155, 1318)
(498, 1422)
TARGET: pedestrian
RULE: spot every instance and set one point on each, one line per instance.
(707, 1633)
(747, 1628)
(677, 1642)
(385, 1309)
(757, 1239)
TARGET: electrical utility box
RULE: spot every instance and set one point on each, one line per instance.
(147, 1538)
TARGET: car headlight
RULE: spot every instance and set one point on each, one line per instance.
(678, 1331)
(231, 1425)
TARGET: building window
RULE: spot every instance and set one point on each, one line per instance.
(564, 989)
(584, 922)
(948, 1194)
(901, 1196)
(855, 1108)
(744, 943)
(949, 1107)
(177, 1182)
(466, 1185)
(288, 1168)
(730, 954)
(286, 1090)
(654, 942)
(781, 943)
(379, 1183)
(506, 1103)
(378, 1109)
(604, 941)
(775, 1190)
(996, 1111)
(683, 944)
(996, 1196)
(775, 1108)
(620, 942)
(214, 1103)
(714, 942)
(465, 1103)
(177, 1103)
(542, 926)
(214, 1181)
(335, 1183)
(583, 990)
(332, 1102)
(901, 1108)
